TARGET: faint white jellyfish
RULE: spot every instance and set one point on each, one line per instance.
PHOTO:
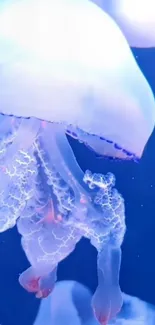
(70, 303)
(136, 19)
(135, 312)
(61, 74)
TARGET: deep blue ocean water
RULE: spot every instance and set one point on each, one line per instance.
(136, 182)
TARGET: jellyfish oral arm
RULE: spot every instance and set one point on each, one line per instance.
(42, 286)
(107, 300)
(108, 224)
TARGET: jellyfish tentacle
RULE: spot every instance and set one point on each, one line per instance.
(63, 158)
(45, 246)
(107, 300)
(46, 284)
(47, 236)
(8, 124)
(106, 233)
(29, 127)
(17, 169)
(33, 281)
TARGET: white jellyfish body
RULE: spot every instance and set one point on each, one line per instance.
(70, 303)
(74, 49)
(136, 19)
(59, 75)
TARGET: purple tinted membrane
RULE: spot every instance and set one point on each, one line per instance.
(116, 146)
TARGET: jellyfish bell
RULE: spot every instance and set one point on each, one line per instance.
(136, 19)
(68, 62)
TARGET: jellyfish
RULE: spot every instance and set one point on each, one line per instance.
(135, 311)
(70, 303)
(136, 20)
(61, 75)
